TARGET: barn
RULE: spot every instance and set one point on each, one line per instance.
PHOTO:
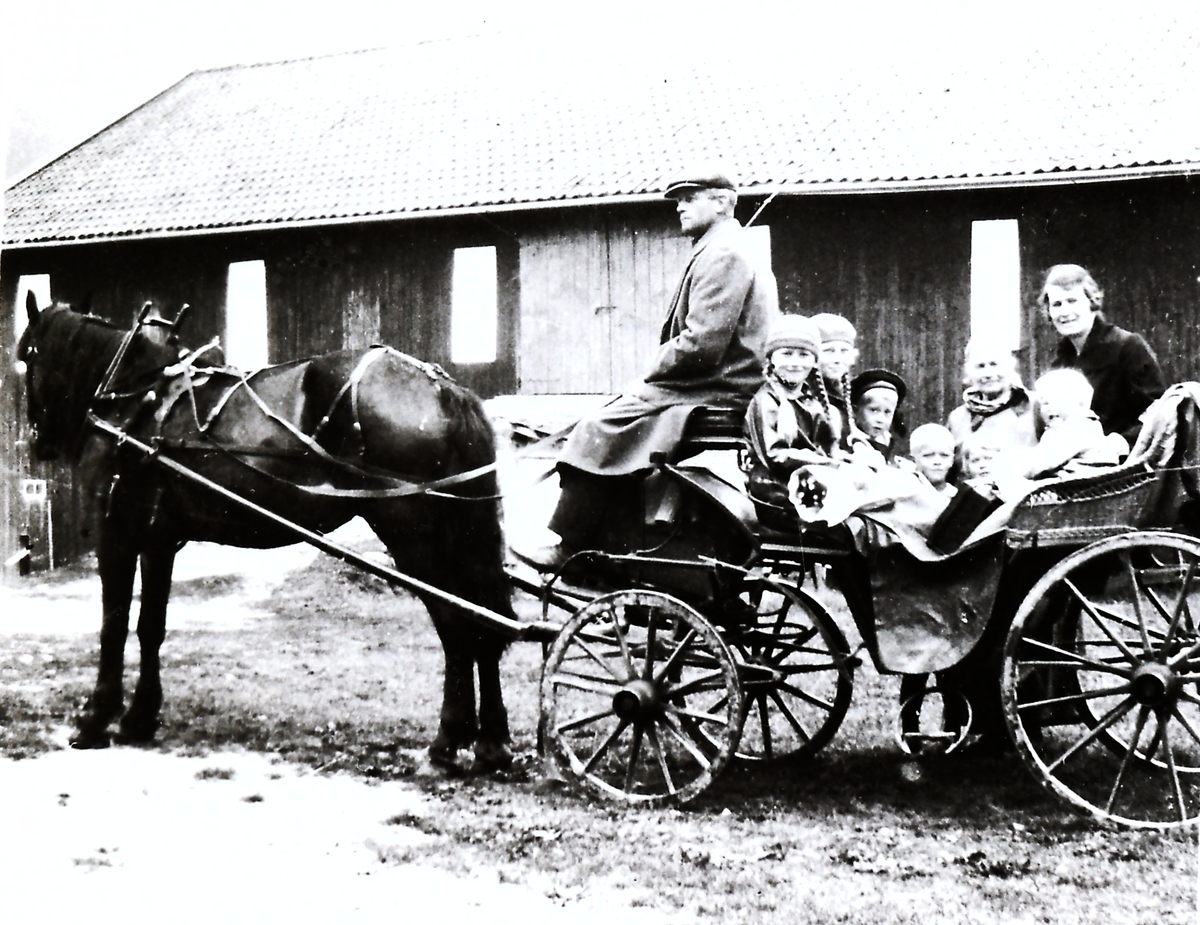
(496, 207)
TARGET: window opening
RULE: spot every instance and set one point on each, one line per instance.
(246, 315)
(39, 285)
(996, 283)
(758, 241)
(473, 308)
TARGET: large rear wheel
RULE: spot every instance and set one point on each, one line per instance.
(1101, 679)
(641, 699)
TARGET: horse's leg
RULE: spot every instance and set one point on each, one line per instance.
(457, 726)
(140, 721)
(458, 550)
(117, 561)
(492, 747)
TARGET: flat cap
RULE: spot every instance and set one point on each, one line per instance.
(703, 178)
(877, 379)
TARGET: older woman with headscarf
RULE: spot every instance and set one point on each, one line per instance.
(995, 403)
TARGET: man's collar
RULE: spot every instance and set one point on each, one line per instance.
(720, 226)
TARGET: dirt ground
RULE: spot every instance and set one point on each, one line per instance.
(289, 784)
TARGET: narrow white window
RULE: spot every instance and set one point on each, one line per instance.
(758, 241)
(246, 315)
(39, 285)
(996, 283)
(473, 306)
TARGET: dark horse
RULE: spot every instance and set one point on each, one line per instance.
(318, 441)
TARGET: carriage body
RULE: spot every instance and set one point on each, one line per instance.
(1075, 622)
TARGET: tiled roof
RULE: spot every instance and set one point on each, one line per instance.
(475, 124)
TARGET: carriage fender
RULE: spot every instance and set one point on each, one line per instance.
(732, 500)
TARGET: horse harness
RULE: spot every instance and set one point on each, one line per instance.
(180, 381)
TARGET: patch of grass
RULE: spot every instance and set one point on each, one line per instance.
(344, 676)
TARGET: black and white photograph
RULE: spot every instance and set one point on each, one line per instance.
(649, 462)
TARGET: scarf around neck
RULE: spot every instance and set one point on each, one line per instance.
(981, 407)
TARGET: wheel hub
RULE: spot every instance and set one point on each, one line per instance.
(634, 699)
(1153, 683)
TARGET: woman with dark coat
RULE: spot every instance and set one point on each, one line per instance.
(1122, 369)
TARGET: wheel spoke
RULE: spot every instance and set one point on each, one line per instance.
(1179, 607)
(790, 716)
(1074, 698)
(673, 727)
(621, 640)
(1137, 600)
(1175, 782)
(696, 714)
(635, 751)
(651, 639)
(1109, 718)
(696, 685)
(764, 722)
(605, 746)
(652, 735)
(584, 721)
(697, 731)
(806, 696)
(599, 660)
(1183, 721)
(1143, 712)
(1113, 617)
(1091, 612)
(673, 657)
(584, 682)
(1075, 658)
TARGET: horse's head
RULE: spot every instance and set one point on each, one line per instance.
(67, 356)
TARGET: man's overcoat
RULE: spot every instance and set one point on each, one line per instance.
(710, 353)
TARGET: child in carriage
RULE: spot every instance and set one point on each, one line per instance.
(1073, 439)
(876, 396)
(838, 356)
(932, 450)
(788, 422)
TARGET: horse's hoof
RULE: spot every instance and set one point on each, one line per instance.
(444, 757)
(492, 757)
(88, 740)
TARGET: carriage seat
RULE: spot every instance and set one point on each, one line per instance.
(713, 429)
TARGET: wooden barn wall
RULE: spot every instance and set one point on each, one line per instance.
(595, 284)
(356, 286)
(1141, 242)
(898, 267)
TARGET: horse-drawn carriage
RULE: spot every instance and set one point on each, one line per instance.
(700, 640)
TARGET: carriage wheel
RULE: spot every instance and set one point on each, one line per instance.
(1101, 679)
(797, 673)
(641, 699)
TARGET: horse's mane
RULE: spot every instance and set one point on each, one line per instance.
(471, 431)
(76, 351)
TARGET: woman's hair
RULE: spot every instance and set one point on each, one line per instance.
(1067, 275)
(1008, 360)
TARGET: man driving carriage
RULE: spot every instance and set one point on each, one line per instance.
(710, 354)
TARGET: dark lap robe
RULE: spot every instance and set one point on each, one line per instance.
(620, 438)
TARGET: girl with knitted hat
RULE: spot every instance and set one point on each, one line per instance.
(788, 422)
(839, 355)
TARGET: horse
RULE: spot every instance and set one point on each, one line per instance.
(318, 441)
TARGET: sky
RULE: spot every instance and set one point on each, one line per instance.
(71, 67)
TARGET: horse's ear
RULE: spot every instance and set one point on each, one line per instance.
(31, 308)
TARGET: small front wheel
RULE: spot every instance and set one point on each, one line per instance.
(641, 699)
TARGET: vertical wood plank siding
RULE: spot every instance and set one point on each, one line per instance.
(583, 291)
(595, 284)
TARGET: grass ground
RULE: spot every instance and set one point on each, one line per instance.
(343, 675)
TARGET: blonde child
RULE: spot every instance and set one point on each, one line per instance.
(1074, 438)
(932, 450)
